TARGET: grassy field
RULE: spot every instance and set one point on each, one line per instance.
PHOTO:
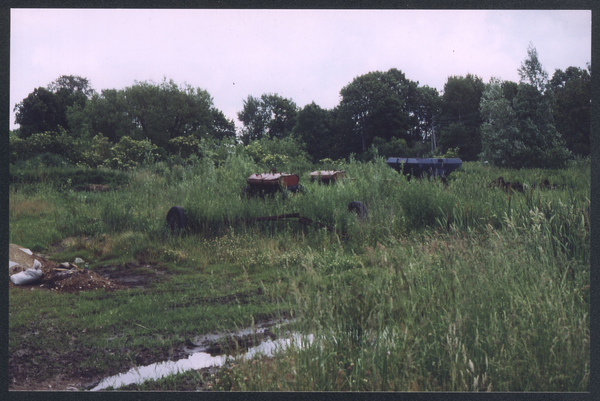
(460, 286)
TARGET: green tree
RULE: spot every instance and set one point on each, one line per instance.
(45, 109)
(273, 152)
(165, 111)
(40, 111)
(129, 153)
(509, 90)
(315, 127)
(379, 104)
(271, 116)
(572, 107)
(532, 72)
(222, 127)
(521, 135)
(254, 118)
(498, 130)
(427, 112)
(73, 84)
(460, 120)
(107, 113)
(395, 147)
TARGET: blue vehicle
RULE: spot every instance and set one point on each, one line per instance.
(418, 167)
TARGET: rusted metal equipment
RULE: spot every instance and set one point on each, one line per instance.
(328, 176)
(270, 183)
(418, 167)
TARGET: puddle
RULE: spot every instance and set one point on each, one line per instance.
(198, 360)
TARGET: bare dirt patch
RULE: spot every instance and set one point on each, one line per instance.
(132, 274)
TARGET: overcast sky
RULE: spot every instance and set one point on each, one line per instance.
(304, 55)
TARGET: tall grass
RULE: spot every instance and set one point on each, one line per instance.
(446, 287)
(451, 313)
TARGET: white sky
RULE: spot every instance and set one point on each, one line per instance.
(305, 55)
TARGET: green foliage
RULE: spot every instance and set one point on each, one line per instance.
(460, 119)
(58, 176)
(165, 111)
(271, 116)
(395, 147)
(45, 110)
(184, 145)
(571, 109)
(58, 143)
(378, 104)
(129, 153)
(276, 152)
(452, 153)
(521, 134)
(532, 72)
(96, 153)
(315, 127)
(106, 114)
(493, 295)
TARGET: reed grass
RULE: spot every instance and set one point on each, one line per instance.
(456, 286)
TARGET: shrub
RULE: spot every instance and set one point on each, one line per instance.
(129, 153)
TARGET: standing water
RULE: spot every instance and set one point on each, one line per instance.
(197, 360)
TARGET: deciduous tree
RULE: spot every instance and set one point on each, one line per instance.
(45, 109)
(572, 107)
(380, 104)
(460, 120)
(271, 116)
(315, 128)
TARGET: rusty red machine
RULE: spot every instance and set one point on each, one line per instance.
(271, 183)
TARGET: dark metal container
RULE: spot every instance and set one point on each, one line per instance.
(417, 167)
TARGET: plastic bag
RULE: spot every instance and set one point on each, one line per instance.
(28, 276)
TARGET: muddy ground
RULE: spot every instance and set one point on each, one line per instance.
(65, 369)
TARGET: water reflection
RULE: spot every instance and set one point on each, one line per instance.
(197, 360)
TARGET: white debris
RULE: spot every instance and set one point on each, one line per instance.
(28, 276)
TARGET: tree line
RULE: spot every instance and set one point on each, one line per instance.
(537, 122)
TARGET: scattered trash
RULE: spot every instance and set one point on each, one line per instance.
(78, 261)
(32, 271)
(19, 256)
(29, 276)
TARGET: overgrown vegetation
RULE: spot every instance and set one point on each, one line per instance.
(460, 286)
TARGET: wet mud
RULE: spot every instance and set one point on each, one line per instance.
(37, 367)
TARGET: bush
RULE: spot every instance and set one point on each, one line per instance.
(129, 153)
(273, 152)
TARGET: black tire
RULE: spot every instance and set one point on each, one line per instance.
(360, 209)
(176, 218)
